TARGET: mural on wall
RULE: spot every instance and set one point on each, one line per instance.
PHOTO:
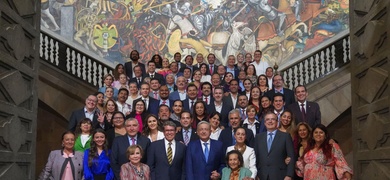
(282, 29)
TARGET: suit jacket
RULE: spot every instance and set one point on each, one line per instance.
(236, 72)
(289, 97)
(228, 100)
(129, 69)
(226, 137)
(226, 108)
(55, 168)
(186, 104)
(159, 77)
(179, 136)
(271, 164)
(196, 166)
(77, 116)
(153, 106)
(313, 113)
(173, 96)
(182, 66)
(118, 153)
(160, 169)
(134, 79)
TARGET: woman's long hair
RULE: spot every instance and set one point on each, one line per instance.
(93, 151)
(146, 130)
(325, 146)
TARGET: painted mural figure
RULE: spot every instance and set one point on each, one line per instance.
(271, 12)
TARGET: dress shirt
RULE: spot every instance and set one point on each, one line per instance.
(208, 99)
(173, 146)
(208, 145)
(166, 102)
(124, 108)
(252, 126)
(146, 100)
(189, 133)
(231, 70)
(218, 108)
(304, 106)
(131, 141)
(183, 95)
(191, 104)
(89, 114)
(279, 91)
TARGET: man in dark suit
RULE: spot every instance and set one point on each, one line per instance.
(192, 94)
(278, 88)
(121, 143)
(212, 67)
(89, 111)
(200, 61)
(271, 149)
(227, 134)
(204, 157)
(151, 103)
(232, 98)
(186, 134)
(164, 96)
(152, 72)
(206, 94)
(138, 76)
(305, 111)
(168, 164)
(180, 65)
(180, 93)
(219, 106)
(134, 56)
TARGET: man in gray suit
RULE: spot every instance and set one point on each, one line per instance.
(272, 148)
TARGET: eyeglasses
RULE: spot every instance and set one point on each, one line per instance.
(91, 100)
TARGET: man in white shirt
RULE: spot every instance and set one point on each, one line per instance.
(260, 65)
(123, 107)
(180, 93)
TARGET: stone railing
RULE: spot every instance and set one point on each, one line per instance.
(72, 61)
(318, 64)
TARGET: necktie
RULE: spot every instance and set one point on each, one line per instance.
(192, 104)
(186, 137)
(211, 69)
(155, 95)
(207, 102)
(303, 112)
(138, 81)
(243, 114)
(233, 138)
(146, 103)
(164, 102)
(169, 153)
(206, 151)
(132, 141)
(269, 142)
(152, 76)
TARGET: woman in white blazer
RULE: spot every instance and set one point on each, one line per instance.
(247, 152)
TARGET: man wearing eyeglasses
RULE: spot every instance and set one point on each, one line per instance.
(89, 111)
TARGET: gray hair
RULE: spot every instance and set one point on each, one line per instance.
(203, 122)
(169, 123)
(234, 111)
(131, 119)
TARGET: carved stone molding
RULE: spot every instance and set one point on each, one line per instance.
(375, 79)
(15, 87)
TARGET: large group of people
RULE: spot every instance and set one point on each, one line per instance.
(175, 120)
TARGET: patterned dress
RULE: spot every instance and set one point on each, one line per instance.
(315, 165)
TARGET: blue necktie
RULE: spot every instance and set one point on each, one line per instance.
(206, 151)
(270, 139)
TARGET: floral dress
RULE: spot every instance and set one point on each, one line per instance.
(314, 165)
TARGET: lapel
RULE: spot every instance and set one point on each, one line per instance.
(200, 150)
(211, 150)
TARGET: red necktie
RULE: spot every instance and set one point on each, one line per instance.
(206, 100)
(303, 112)
(155, 95)
(211, 69)
(164, 102)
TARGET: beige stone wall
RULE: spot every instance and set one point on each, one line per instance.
(369, 28)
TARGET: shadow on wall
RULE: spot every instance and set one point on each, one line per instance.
(50, 126)
(341, 130)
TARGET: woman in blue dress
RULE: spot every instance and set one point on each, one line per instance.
(97, 158)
